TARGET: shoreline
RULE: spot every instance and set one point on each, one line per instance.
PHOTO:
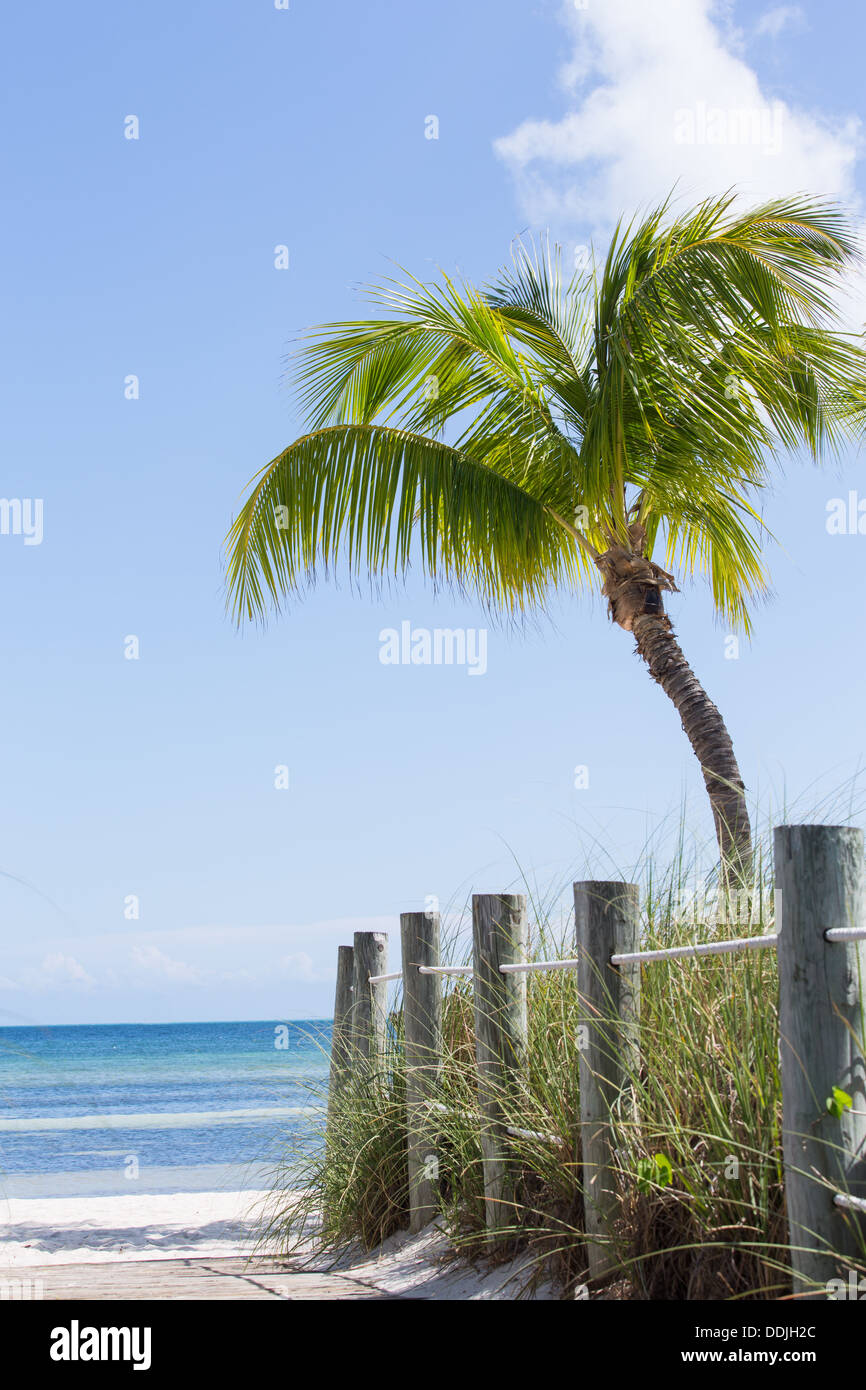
(153, 1181)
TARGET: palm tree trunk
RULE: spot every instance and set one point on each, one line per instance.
(710, 740)
(634, 586)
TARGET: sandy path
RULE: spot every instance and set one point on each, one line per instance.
(195, 1245)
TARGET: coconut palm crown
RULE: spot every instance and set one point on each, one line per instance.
(610, 430)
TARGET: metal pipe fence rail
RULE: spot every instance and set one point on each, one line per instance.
(514, 1130)
(700, 948)
(822, 919)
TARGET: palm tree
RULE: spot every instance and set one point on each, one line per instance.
(594, 423)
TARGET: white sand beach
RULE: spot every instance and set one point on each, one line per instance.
(91, 1230)
(37, 1233)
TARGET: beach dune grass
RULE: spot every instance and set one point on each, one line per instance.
(701, 1209)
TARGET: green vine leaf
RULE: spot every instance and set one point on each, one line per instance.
(657, 1170)
(838, 1102)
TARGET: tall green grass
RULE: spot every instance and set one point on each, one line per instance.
(701, 1211)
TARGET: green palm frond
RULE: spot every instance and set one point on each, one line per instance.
(541, 311)
(716, 533)
(655, 388)
(378, 498)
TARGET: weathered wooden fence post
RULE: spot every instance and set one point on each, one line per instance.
(500, 937)
(341, 1039)
(606, 920)
(819, 886)
(422, 1034)
(369, 1001)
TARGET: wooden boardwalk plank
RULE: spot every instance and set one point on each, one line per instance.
(233, 1278)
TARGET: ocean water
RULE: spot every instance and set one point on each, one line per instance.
(95, 1110)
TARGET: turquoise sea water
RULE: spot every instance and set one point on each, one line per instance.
(92, 1110)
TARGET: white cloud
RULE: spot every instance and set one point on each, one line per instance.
(299, 966)
(60, 969)
(780, 17)
(150, 958)
(656, 104)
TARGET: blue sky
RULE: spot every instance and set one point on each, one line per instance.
(154, 779)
